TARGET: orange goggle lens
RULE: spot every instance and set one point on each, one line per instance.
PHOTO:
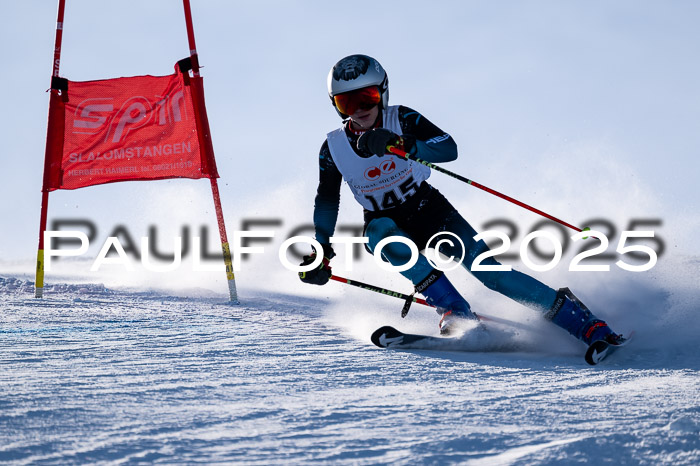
(361, 99)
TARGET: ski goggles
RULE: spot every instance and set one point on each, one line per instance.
(348, 103)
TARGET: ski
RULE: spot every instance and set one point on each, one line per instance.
(477, 339)
(601, 349)
(389, 337)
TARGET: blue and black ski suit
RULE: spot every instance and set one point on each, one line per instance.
(409, 207)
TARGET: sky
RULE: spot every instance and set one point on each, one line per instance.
(584, 109)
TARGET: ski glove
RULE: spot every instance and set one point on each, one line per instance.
(375, 142)
(321, 274)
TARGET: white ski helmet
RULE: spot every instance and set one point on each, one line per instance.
(355, 72)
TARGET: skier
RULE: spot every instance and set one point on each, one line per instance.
(398, 201)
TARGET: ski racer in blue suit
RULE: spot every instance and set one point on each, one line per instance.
(398, 201)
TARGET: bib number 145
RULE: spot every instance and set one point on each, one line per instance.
(393, 197)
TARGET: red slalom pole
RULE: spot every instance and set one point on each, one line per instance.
(190, 36)
(206, 145)
(408, 156)
(55, 70)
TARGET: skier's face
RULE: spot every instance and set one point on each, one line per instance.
(365, 118)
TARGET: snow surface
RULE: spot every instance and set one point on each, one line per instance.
(112, 376)
(587, 110)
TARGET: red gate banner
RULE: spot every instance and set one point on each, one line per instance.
(135, 128)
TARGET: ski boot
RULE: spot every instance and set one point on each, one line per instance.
(453, 308)
(569, 313)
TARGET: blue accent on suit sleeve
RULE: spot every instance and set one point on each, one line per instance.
(431, 143)
(436, 152)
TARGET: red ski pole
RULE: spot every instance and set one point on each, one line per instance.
(408, 156)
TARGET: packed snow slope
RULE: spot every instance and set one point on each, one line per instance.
(112, 376)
